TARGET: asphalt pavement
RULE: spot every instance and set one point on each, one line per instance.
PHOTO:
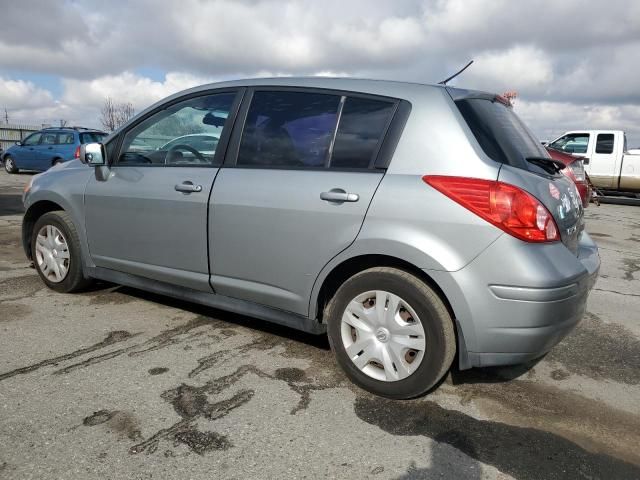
(119, 383)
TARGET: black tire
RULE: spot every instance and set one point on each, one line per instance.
(10, 165)
(56, 161)
(75, 279)
(436, 321)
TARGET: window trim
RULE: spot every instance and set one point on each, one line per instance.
(223, 143)
(384, 150)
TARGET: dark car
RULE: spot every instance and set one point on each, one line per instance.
(41, 150)
(574, 169)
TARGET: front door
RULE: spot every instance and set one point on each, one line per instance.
(149, 216)
(295, 195)
(26, 155)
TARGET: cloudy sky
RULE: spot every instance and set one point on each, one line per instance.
(574, 64)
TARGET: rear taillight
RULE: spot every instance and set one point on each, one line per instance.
(507, 207)
(77, 152)
(575, 170)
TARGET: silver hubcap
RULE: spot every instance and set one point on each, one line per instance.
(8, 163)
(52, 253)
(383, 336)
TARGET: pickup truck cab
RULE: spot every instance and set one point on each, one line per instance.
(607, 160)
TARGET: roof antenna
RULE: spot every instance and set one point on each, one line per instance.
(444, 82)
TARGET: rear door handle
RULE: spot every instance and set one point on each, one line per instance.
(338, 195)
(188, 187)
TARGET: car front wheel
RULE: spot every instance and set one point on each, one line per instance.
(55, 249)
(10, 165)
(391, 333)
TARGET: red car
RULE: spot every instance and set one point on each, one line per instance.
(574, 169)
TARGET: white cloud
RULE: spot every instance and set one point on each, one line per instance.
(552, 53)
(550, 119)
(521, 67)
(127, 87)
(22, 94)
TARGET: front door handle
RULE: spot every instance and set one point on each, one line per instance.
(338, 195)
(188, 187)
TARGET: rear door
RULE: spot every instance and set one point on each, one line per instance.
(48, 150)
(66, 145)
(148, 215)
(295, 192)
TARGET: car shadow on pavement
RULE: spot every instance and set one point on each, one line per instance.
(492, 374)
(262, 326)
(10, 204)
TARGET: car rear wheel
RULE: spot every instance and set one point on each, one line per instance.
(55, 249)
(391, 333)
(10, 165)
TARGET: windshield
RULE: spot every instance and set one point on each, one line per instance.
(501, 133)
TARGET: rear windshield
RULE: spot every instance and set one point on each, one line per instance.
(500, 133)
(92, 137)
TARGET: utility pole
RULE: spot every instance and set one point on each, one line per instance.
(6, 116)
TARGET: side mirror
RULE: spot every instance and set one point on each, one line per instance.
(93, 154)
(19, 144)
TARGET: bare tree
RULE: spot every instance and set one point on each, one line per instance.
(115, 114)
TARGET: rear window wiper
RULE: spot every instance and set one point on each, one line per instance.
(547, 164)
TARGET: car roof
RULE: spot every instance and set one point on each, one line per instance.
(72, 129)
(387, 88)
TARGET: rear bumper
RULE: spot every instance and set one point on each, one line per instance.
(517, 300)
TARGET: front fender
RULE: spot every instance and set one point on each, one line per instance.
(65, 188)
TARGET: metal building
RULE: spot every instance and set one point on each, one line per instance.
(12, 133)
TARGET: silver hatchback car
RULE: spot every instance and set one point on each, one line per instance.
(415, 224)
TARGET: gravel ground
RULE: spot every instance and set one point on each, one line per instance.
(119, 383)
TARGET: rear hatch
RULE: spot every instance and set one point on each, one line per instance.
(525, 162)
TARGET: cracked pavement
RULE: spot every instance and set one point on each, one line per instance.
(120, 383)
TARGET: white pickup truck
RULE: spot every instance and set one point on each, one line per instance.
(606, 158)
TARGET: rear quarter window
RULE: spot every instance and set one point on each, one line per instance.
(92, 137)
(362, 126)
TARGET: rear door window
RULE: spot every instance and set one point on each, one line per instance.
(65, 138)
(604, 143)
(363, 123)
(288, 129)
(49, 139)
